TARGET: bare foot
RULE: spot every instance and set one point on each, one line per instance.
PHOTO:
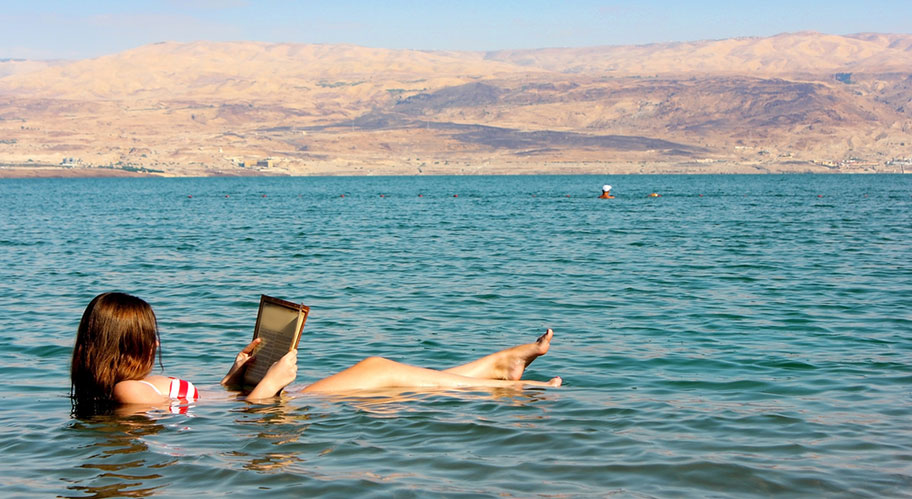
(515, 360)
(506, 364)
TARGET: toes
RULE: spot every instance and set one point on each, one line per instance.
(545, 337)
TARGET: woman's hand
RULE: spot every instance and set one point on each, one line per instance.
(236, 373)
(279, 375)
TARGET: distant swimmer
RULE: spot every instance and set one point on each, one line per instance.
(606, 192)
(655, 195)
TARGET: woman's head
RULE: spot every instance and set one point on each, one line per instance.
(117, 340)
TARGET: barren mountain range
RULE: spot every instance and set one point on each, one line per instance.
(790, 103)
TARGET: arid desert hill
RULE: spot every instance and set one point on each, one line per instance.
(792, 102)
(787, 54)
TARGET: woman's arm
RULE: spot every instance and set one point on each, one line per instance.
(277, 377)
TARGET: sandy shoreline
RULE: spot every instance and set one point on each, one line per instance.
(352, 169)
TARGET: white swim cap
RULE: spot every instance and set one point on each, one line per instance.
(606, 187)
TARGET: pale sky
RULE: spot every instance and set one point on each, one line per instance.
(40, 29)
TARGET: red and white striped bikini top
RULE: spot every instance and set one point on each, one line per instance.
(180, 390)
(183, 390)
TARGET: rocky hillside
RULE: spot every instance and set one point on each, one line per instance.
(793, 102)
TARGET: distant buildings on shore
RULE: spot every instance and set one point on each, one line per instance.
(257, 164)
(849, 165)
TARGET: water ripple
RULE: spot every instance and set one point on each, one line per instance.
(750, 342)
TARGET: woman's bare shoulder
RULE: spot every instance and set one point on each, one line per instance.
(140, 391)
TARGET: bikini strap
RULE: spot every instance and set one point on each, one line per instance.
(153, 386)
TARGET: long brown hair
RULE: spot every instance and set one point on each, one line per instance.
(117, 340)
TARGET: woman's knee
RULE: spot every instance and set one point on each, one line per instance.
(374, 361)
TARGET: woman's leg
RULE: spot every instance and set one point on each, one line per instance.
(506, 366)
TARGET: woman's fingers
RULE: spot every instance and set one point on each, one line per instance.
(250, 346)
(244, 355)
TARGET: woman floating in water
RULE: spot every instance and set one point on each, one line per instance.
(117, 342)
(606, 192)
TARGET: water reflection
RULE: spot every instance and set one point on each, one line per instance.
(392, 401)
(277, 424)
(273, 461)
(118, 455)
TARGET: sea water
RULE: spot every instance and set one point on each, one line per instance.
(736, 336)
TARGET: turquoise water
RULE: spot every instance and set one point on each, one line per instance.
(752, 341)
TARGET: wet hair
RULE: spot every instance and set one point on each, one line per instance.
(117, 340)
